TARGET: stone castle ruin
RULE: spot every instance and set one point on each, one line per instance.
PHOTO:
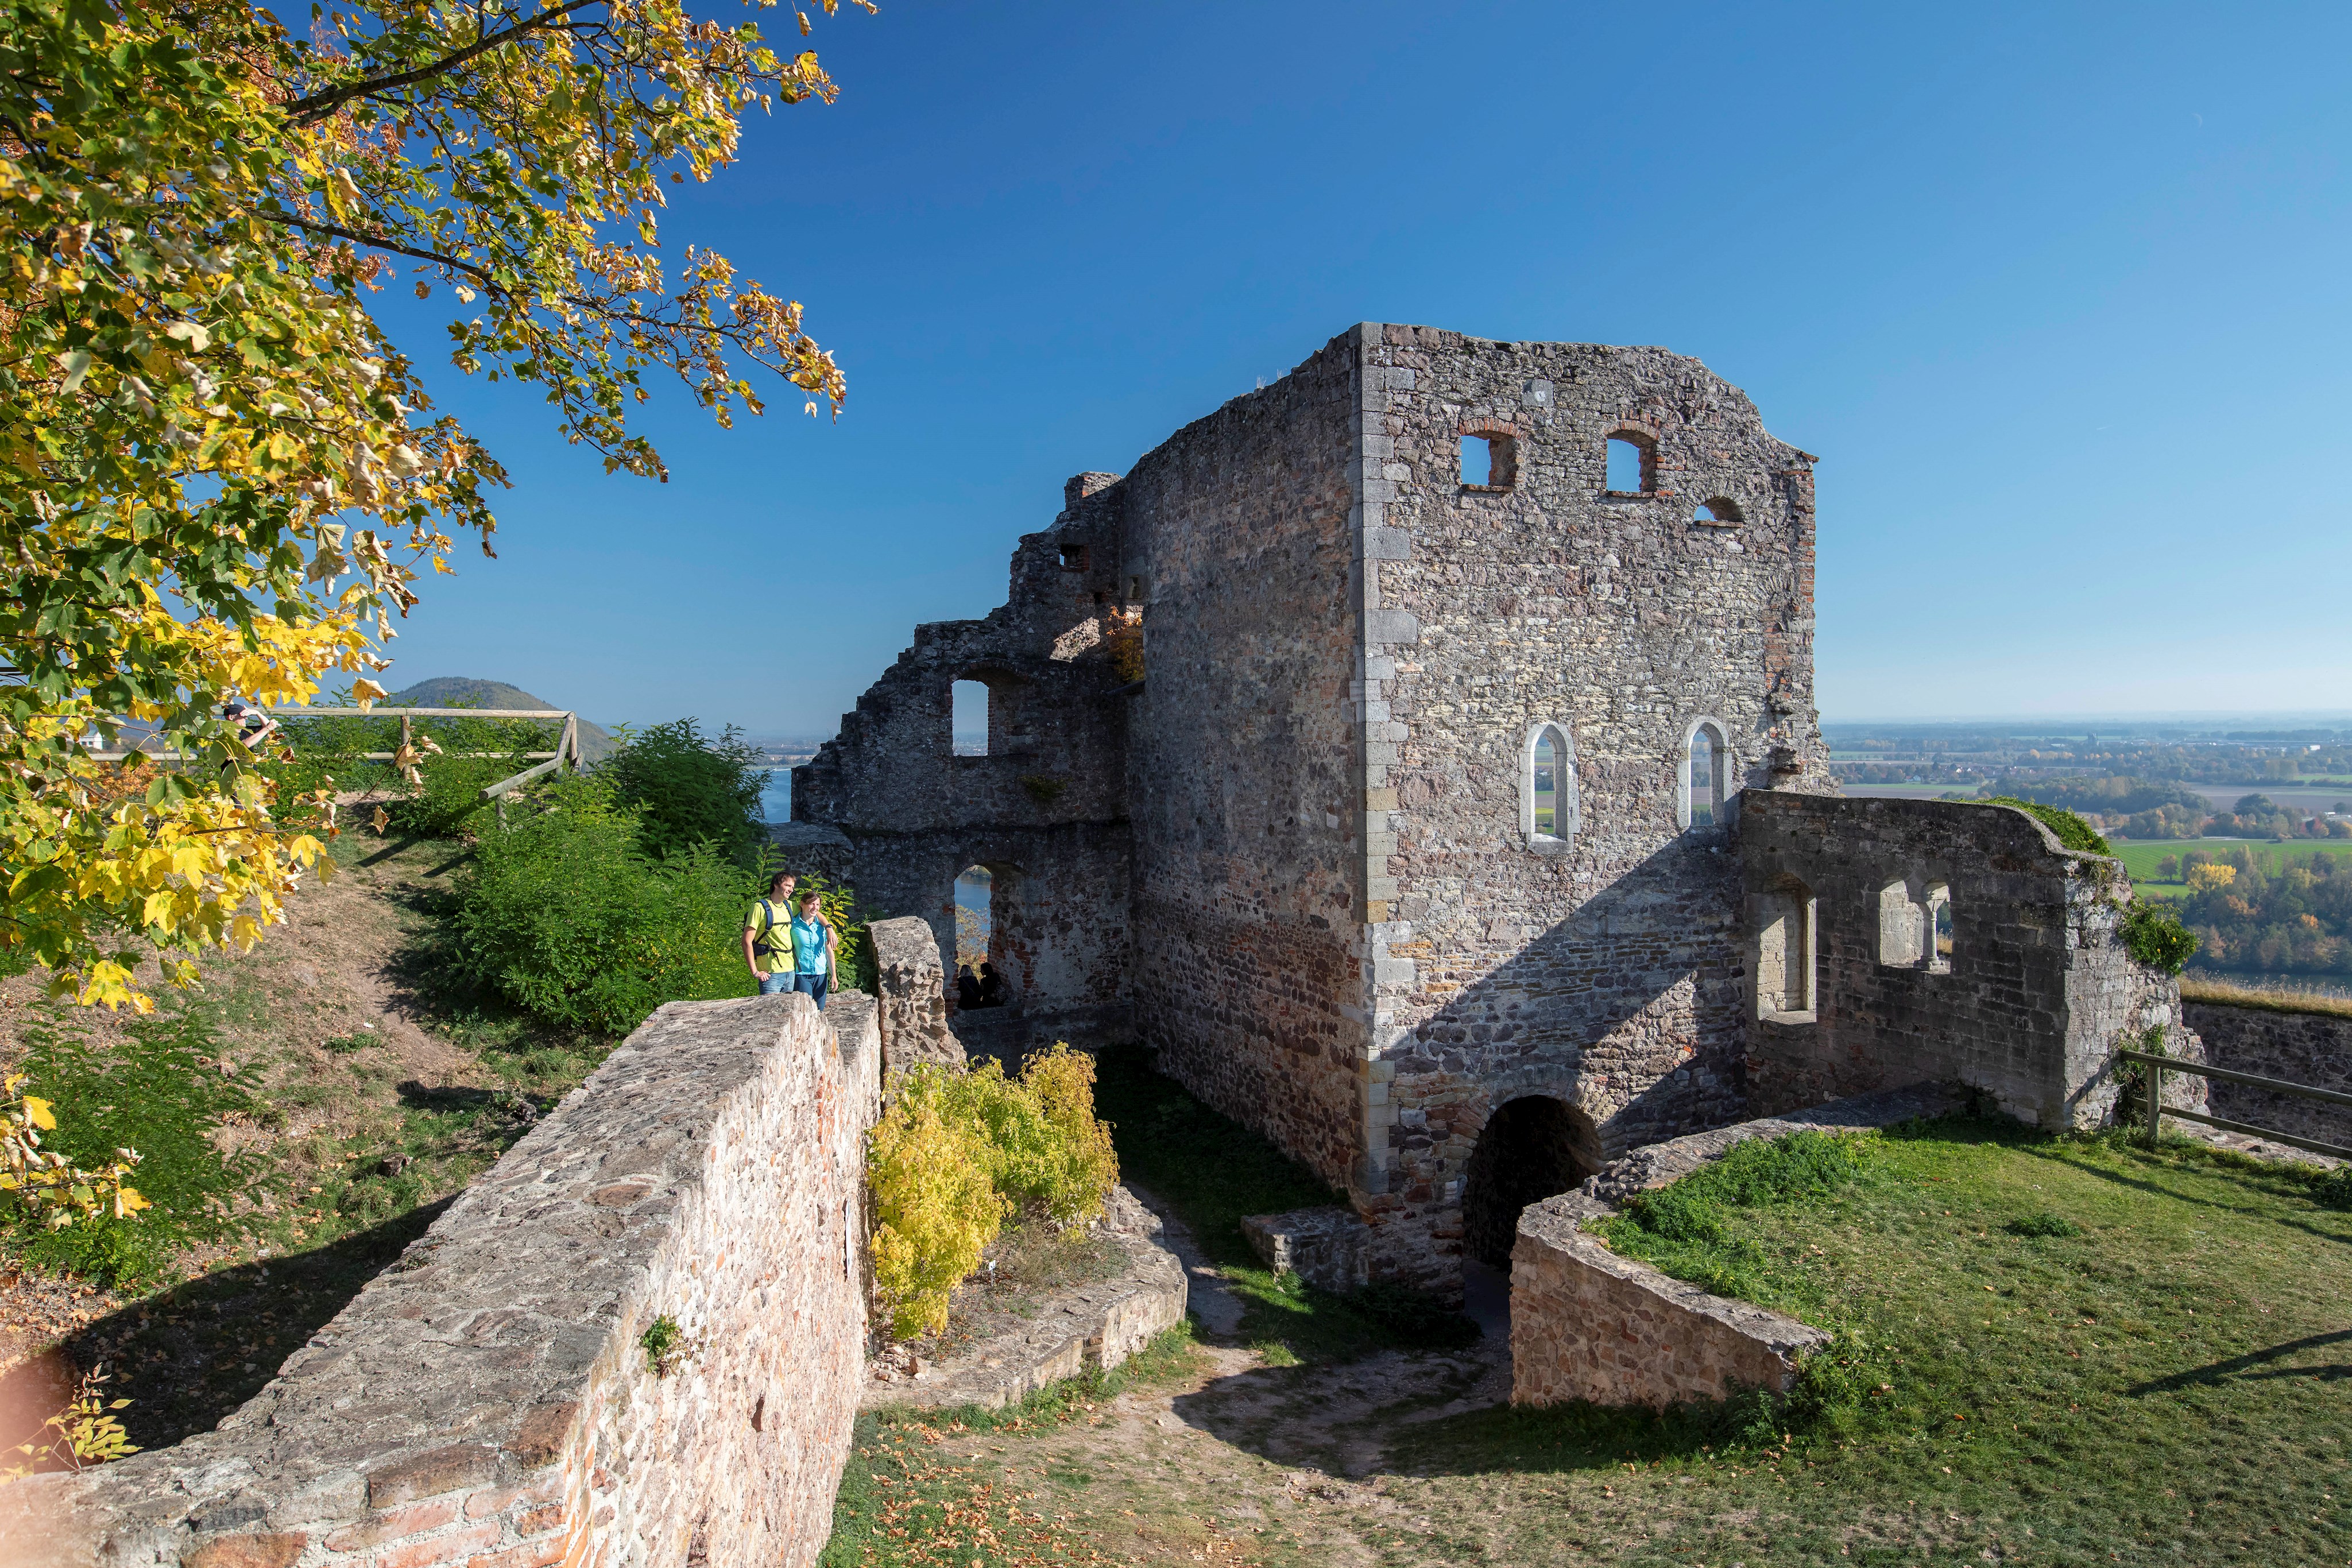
(1469, 826)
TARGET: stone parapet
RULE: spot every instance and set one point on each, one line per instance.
(487, 1400)
(2311, 1048)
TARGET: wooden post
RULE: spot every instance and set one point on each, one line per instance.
(2154, 1101)
(569, 745)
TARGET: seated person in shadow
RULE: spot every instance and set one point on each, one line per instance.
(967, 988)
(991, 986)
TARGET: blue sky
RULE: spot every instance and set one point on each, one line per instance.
(2057, 294)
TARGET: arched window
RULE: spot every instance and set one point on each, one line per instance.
(1719, 512)
(1704, 796)
(1547, 805)
(1785, 954)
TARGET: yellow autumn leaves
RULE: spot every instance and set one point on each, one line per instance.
(55, 1189)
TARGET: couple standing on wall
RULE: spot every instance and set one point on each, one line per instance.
(792, 952)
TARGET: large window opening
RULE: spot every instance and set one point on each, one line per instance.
(968, 721)
(977, 981)
(1633, 465)
(1705, 778)
(1785, 954)
(1531, 1149)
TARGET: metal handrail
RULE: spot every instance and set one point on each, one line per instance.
(2157, 1110)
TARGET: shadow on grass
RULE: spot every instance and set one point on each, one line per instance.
(2239, 1368)
(189, 1356)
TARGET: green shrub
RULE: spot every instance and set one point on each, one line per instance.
(2153, 933)
(2333, 1189)
(2072, 831)
(955, 1153)
(688, 789)
(566, 915)
(935, 1212)
(2043, 1224)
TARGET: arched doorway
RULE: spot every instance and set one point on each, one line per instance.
(1530, 1149)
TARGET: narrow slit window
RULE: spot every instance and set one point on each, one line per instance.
(1547, 790)
(1706, 770)
(1939, 928)
(1546, 787)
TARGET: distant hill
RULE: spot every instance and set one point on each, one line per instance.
(466, 691)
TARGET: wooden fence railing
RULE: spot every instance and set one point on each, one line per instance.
(2157, 1066)
(566, 752)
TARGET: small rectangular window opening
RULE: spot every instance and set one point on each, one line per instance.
(1074, 558)
(1633, 466)
(1489, 462)
(967, 720)
(1784, 955)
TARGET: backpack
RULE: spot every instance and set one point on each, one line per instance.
(764, 943)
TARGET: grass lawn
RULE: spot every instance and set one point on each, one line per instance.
(2170, 1382)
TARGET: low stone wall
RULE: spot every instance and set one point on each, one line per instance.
(1589, 1324)
(2314, 1049)
(1327, 1246)
(487, 1401)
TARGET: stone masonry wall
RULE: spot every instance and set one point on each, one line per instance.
(2313, 1049)
(485, 1401)
(1045, 810)
(1244, 760)
(1598, 966)
(2033, 997)
(913, 1000)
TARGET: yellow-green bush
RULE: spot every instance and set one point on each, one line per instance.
(958, 1152)
(935, 1213)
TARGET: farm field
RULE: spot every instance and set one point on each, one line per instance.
(2140, 857)
(2058, 1351)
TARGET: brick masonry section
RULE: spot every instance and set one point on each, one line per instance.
(485, 1401)
(2311, 1049)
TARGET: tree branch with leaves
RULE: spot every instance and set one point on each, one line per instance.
(222, 477)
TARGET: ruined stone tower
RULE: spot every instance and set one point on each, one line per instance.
(1416, 847)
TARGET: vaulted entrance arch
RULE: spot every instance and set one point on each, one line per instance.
(1532, 1148)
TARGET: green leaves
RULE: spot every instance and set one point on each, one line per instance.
(199, 417)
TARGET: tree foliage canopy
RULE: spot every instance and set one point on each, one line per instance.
(218, 477)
